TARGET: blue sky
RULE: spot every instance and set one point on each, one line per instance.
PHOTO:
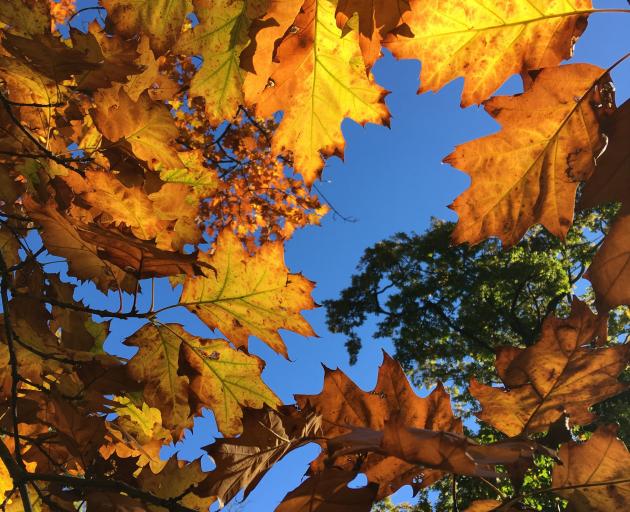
(391, 180)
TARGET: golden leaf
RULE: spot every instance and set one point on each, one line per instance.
(319, 80)
(486, 41)
(249, 295)
(528, 173)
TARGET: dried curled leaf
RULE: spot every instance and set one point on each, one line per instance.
(249, 295)
(559, 373)
(528, 173)
(329, 492)
(612, 172)
(347, 410)
(486, 41)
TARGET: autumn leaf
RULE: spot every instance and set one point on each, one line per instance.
(145, 126)
(347, 410)
(244, 460)
(160, 20)
(225, 380)
(249, 295)
(30, 17)
(486, 42)
(137, 432)
(483, 506)
(62, 238)
(528, 173)
(258, 57)
(377, 19)
(213, 375)
(559, 373)
(603, 458)
(220, 37)
(139, 258)
(609, 272)
(156, 365)
(329, 492)
(319, 80)
(612, 172)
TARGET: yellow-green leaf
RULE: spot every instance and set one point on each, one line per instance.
(249, 295)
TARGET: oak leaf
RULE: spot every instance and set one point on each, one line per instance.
(249, 295)
(243, 461)
(62, 238)
(612, 172)
(347, 410)
(160, 20)
(225, 380)
(603, 458)
(137, 432)
(377, 18)
(486, 42)
(183, 372)
(329, 492)
(319, 80)
(145, 126)
(220, 37)
(558, 373)
(528, 173)
(265, 31)
(609, 272)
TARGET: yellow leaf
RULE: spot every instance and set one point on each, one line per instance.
(528, 173)
(146, 125)
(319, 81)
(249, 295)
(161, 20)
(486, 41)
(220, 36)
(156, 365)
(226, 380)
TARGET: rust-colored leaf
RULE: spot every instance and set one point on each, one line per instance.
(559, 373)
(609, 272)
(528, 173)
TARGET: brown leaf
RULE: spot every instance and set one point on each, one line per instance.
(140, 258)
(559, 373)
(329, 492)
(609, 272)
(528, 173)
(268, 435)
(62, 238)
(609, 182)
(603, 458)
(348, 410)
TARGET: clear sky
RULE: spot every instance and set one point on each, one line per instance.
(392, 180)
